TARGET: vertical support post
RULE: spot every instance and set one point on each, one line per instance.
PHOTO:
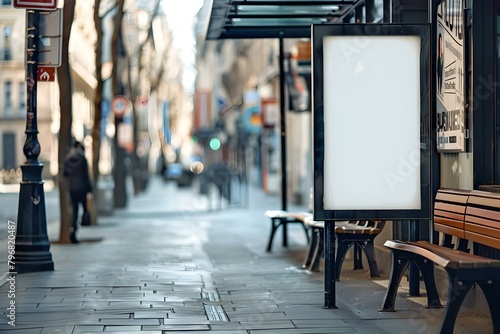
(370, 11)
(32, 242)
(414, 273)
(283, 126)
(330, 271)
(387, 17)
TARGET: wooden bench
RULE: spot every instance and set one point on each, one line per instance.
(359, 234)
(461, 215)
(283, 218)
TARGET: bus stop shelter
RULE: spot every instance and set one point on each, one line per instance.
(262, 19)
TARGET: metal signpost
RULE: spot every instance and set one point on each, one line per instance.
(32, 243)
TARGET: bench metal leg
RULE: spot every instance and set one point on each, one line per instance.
(399, 264)
(285, 232)
(342, 249)
(491, 290)
(369, 250)
(363, 246)
(456, 295)
(319, 253)
(306, 230)
(275, 223)
(358, 261)
(313, 244)
(427, 269)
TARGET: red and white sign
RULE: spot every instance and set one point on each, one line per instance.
(35, 4)
(45, 74)
(119, 105)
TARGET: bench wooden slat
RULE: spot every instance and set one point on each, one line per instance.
(450, 208)
(289, 215)
(475, 220)
(452, 195)
(489, 214)
(481, 198)
(357, 229)
(483, 239)
(492, 231)
(449, 230)
(457, 223)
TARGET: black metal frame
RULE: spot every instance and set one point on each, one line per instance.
(319, 32)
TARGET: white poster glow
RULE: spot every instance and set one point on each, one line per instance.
(371, 122)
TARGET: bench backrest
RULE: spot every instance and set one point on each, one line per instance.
(449, 211)
(482, 218)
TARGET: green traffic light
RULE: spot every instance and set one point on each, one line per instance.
(215, 144)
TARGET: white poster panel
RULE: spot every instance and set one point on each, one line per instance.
(450, 86)
(371, 122)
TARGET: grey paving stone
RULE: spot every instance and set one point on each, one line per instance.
(200, 316)
(20, 330)
(269, 324)
(119, 329)
(248, 317)
(322, 323)
(177, 328)
(153, 314)
(113, 316)
(256, 309)
(58, 330)
(187, 321)
(85, 329)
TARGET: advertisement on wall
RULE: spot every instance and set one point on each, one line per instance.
(450, 77)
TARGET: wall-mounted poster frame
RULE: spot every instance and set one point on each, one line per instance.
(371, 121)
(450, 77)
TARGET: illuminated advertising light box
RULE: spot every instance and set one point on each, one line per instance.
(371, 121)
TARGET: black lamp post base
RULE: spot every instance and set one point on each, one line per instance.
(39, 262)
(32, 242)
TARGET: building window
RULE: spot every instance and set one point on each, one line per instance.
(22, 98)
(7, 97)
(6, 2)
(6, 52)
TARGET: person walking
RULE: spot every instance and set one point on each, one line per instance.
(76, 170)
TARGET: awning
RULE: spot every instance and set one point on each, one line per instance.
(237, 19)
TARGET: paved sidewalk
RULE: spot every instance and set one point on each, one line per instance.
(166, 265)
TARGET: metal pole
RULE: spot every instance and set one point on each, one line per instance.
(414, 272)
(330, 264)
(283, 128)
(32, 242)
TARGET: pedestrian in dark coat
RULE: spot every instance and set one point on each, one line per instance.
(76, 170)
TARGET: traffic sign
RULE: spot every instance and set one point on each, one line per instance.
(35, 4)
(46, 74)
(119, 105)
(50, 31)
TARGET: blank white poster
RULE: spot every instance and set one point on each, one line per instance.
(372, 122)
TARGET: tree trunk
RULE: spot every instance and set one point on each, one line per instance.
(96, 130)
(65, 103)
(120, 171)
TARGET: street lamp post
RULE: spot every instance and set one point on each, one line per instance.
(32, 243)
